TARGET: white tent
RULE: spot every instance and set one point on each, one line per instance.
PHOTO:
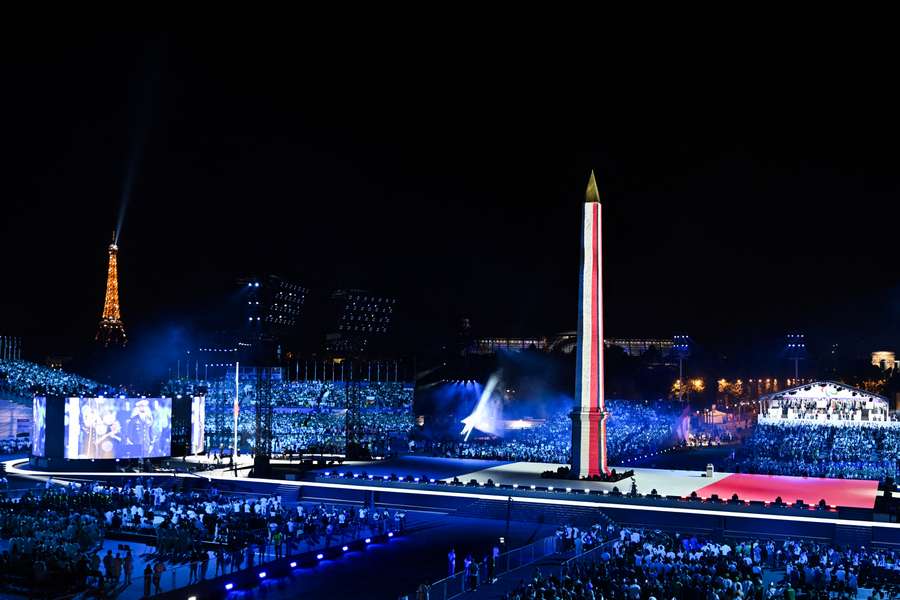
(825, 402)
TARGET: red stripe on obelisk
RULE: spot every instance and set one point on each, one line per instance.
(594, 452)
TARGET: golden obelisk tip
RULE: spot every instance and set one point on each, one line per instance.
(592, 194)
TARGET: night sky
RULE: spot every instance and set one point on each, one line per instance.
(452, 178)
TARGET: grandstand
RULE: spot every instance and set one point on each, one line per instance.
(308, 415)
(20, 380)
(635, 429)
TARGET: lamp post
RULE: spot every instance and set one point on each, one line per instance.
(681, 347)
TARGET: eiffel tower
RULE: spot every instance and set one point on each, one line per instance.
(111, 329)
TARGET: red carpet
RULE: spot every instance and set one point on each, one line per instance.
(854, 493)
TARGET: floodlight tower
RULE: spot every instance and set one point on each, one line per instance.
(796, 351)
(682, 348)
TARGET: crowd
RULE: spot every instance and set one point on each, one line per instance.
(820, 450)
(309, 394)
(651, 564)
(23, 379)
(55, 534)
(51, 540)
(633, 429)
(245, 526)
(309, 416)
(15, 445)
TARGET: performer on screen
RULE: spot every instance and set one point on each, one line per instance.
(138, 430)
(100, 430)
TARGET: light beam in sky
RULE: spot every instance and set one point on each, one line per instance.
(487, 414)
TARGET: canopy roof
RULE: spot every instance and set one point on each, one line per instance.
(827, 390)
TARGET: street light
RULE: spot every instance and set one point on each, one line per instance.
(682, 349)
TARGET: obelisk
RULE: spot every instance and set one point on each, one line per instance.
(589, 414)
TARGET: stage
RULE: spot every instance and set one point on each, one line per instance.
(670, 484)
(849, 493)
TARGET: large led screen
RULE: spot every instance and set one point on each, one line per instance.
(198, 423)
(118, 427)
(39, 426)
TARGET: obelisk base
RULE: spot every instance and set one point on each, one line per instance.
(589, 443)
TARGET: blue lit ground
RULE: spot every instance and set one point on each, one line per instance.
(385, 571)
(693, 459)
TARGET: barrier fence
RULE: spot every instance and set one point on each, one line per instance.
(459, 583)
(588, 557)
(178, 576)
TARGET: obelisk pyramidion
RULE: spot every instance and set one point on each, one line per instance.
(589, 416)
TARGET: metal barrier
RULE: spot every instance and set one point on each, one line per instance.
(176, 577)
(590, 556)
(457, 584)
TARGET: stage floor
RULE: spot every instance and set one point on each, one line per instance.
(852, 493)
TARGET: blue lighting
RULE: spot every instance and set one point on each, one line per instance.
(293, 564)
(344, 548)
(368, 540)
(390, 534)
(320, 556)
(262, 574)
(229, 586)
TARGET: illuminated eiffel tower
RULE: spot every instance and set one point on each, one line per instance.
(111, 329)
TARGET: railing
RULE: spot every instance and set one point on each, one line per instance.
(590, 556)
(457, 584)
(184, 575)
(181, 576)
